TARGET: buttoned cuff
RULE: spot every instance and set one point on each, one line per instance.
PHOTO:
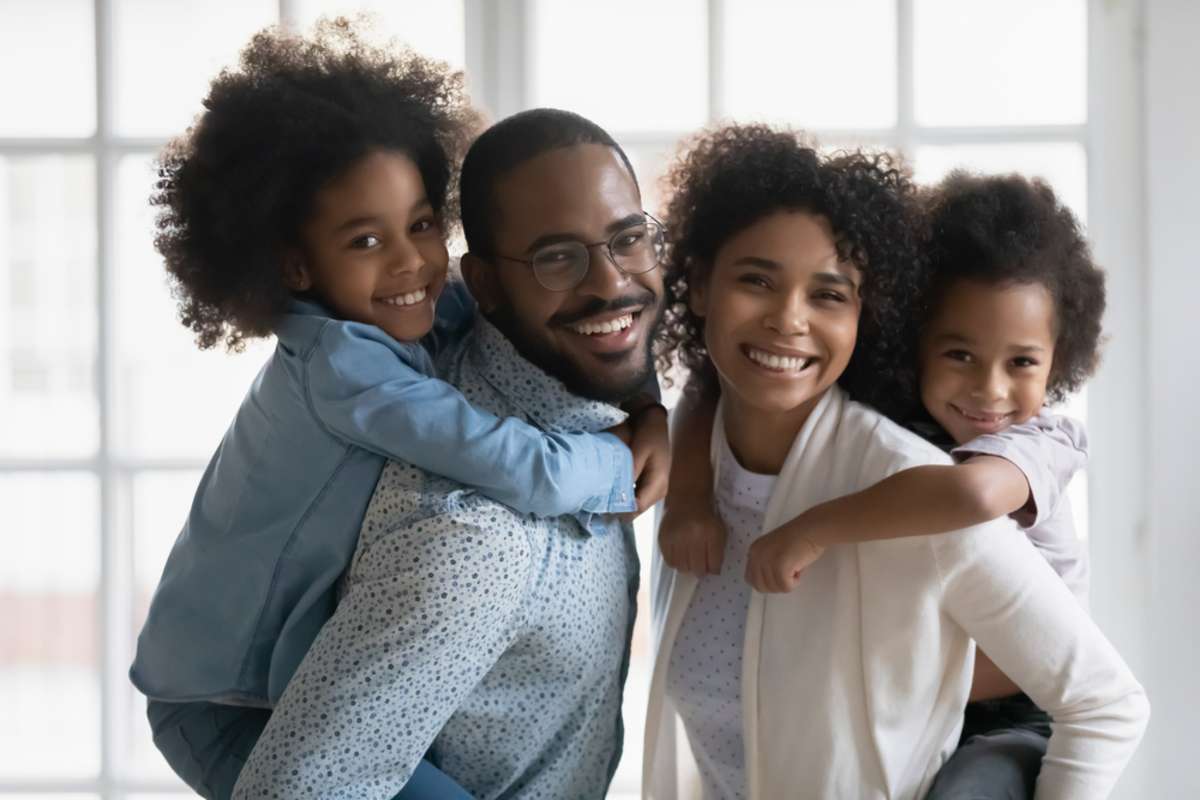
(620, 494)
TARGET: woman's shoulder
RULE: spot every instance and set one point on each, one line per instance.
(885, 444)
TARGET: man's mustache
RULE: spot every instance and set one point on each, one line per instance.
(598, 306)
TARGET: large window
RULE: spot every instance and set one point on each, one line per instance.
(108, 411)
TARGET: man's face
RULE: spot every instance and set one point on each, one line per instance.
(595, 337)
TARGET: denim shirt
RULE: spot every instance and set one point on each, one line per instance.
(252, 576)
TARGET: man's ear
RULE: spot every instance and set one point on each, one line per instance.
(295, 271)
(698, 291)
(480, 277)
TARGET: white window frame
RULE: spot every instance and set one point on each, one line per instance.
(498, 37)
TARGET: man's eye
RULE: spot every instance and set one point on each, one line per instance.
(365, 242)
(1024, 361)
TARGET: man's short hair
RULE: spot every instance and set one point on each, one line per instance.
(508, 144)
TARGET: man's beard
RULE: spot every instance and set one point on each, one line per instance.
(537, 351)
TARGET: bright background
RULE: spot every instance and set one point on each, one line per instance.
(108, 413)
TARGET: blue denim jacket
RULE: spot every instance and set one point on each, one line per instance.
(252, 577)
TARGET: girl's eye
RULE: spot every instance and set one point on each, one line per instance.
(365, 242)
(958, 355)
(423, 225)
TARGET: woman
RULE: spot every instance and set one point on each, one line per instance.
(793, 277)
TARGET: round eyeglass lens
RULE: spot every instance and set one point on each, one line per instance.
(559, 267)
(638, 248)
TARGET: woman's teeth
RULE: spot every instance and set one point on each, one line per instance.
(782, 363)
(409, 299)
(600, 328)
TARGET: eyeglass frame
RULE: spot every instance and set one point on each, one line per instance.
(608, 250)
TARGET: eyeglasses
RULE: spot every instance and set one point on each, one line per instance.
(634, 249)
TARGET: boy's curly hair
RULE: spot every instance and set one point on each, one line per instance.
(1004, 229)
(731, 177)
(297, 111)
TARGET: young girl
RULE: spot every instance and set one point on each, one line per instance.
(310, 201)
(1014, 320)
(790, 273)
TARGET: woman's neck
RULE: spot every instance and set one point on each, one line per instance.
(761, 440)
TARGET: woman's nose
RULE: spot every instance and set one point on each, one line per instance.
(789, 318)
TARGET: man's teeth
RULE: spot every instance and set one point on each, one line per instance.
(409, 299)
(772, 361)
(600, 328)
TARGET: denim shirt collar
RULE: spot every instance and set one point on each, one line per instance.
(544, 399)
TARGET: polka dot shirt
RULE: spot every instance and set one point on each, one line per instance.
(704, 676)
(496, 643)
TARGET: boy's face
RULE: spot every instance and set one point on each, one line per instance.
(596, 336)
(986, 356)
(780, 313)
(373, 249)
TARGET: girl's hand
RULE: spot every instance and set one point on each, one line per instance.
(651, 448)
(777, 559)
(691, 536)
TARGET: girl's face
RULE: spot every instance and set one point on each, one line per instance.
(986, 356)
(780, 312)
(373, 249)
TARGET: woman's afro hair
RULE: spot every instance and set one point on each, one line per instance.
(1007, 229)
(729, 178)
(234, 191)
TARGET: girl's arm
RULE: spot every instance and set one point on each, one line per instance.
(691, 535)
(924, 500)
(364, 393)
(1002, 593)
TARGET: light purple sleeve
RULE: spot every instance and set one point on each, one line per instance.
(1049, 449)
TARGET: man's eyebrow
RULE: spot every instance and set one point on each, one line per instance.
(371, 219)
(835, 278)
(611, 228)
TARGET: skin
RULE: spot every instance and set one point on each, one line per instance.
(372, 241)
(986, 357)
(777, 289)
(542, 201)
(583, 192)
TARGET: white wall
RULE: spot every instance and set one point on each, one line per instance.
(1172, 423)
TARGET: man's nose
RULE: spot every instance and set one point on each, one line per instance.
(603, 278)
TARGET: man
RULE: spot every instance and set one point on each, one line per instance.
(497, 642)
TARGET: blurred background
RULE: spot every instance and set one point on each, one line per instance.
(108, 413)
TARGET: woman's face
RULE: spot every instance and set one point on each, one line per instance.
(780, 312)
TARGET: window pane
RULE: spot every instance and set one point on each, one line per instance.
(790, 62)
(1062, 164)
(650, 163)
(1022, 62)
(156, 508)
(49, 87)
(434, 30)
(47, 307)
(49, 577)
(171, 400)
(626, 65)
(165, 55)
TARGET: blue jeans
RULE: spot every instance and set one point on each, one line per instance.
(207, 744)
(999, 753)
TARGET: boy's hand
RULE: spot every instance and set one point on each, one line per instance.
(651, 448)
(777, 559)
(692, 538)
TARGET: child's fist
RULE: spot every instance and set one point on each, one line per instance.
(692, 538)
(777, 559)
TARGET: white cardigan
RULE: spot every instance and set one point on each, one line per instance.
(854, 684)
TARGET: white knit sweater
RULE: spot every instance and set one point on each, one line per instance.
(854, 684)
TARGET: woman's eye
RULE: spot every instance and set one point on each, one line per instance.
(831, 297)
(755, 280)
(365, 242)
(958, 355)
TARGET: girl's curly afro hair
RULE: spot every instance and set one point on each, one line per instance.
(297, 111)
(1005, 229)
(731, 177)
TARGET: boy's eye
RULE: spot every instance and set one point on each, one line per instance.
(365, 242)
(958, 355)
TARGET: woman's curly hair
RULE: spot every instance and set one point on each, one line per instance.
(1005, 229)
(731, 177)
(235, 190)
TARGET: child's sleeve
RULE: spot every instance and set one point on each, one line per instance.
(364, 392)
(1049, 449)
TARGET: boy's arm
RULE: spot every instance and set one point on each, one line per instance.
(691, 536)
(923, 500)
(365, 394)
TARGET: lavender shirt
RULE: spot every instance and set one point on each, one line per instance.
(1049, 449)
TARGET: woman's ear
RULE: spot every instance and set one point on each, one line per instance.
(480, 278)
(295, 272)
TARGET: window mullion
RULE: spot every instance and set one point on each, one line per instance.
(716, 61)
(905, 80)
